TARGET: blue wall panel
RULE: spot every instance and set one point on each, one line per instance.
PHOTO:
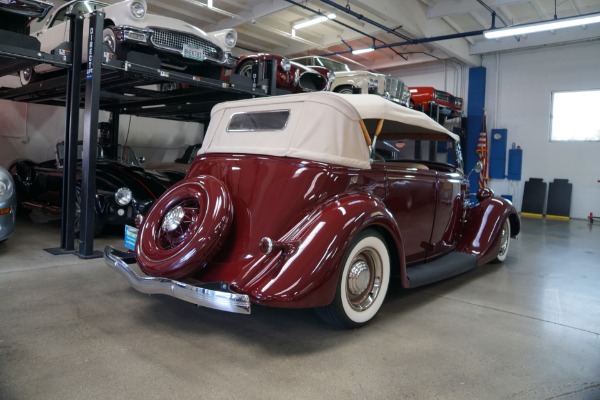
(498, 153)
(515, 161)
(475, 107)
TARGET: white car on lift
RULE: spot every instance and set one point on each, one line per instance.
(128, 26)
(360, 82)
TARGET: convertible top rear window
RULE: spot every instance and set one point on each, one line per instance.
(259, 121)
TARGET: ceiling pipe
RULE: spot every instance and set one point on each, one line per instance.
(416, 41)
(361, 17)
(494, 14)
(318, 12)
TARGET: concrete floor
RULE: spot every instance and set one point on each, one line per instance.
(527, 329)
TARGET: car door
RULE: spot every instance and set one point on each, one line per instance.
(448, 212)
(47, 184)
(411, 198)
(54, 32)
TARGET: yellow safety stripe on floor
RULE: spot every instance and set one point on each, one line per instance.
(531, 215)
(558, 217)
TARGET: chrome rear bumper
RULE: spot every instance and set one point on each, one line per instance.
(212, 295)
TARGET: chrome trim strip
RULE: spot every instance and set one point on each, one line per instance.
(218, 300)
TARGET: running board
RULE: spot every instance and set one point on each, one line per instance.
(441, 268)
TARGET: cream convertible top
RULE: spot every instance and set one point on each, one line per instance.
(322, 126)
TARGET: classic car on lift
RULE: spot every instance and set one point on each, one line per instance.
(123, 188)
(315, 200)
(127, 26)
(438, 104)
(8, 205)
(359, 82)
(290, 76)
(15, 15)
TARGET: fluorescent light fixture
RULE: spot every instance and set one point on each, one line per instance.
(542, 26)
(362, 51)
(314, 21)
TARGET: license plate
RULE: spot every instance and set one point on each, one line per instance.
(131, 233)
(193, 53)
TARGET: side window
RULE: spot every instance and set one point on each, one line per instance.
(259, 121)
(59, 17)
(416, 150)
(81, 8)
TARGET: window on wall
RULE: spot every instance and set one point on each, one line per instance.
(575, 116)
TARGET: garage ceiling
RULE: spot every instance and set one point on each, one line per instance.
(266, 26)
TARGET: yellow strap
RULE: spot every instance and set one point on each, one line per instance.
(379, 126)
(365, 132)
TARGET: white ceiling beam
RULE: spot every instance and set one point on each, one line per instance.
(253, 15)
(181, 11)
(540, 11)
(449, 8)
(260, 36)
(412, 16)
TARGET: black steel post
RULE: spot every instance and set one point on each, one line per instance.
(90, 136)
(114, 133)
(71, 134)
(272, 77)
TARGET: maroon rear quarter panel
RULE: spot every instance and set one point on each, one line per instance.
(319, 206)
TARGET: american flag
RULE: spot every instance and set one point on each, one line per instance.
(483, 154)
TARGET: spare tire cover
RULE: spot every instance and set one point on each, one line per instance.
(185, 228)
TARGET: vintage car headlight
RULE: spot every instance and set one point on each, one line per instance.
(230, 39)
(6, 185)
(373, 82)
(138, 9)
(286, 65)
(123, 196)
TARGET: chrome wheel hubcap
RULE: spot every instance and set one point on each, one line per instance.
(173, 219)
(359, 277)
(504, 241)
(364, 279)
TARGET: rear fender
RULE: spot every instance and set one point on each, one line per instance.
(307, 272)
(482, 226)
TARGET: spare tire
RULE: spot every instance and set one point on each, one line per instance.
(185, 228)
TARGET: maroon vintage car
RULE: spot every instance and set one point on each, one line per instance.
(290, 76)
(316, 200)
(436, 103)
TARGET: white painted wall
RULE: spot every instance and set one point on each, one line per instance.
(518, 97)
(32, 131)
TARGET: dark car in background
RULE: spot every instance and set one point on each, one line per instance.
(123, 189)
(180, 163)
(290, 76)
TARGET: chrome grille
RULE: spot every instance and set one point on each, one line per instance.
(395, 87)
(172, 40)
(445, 96)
